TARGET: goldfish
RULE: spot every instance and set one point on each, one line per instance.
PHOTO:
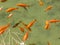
(21, 29)
(54, 21)
(41, 2)
(25, 37)
(11, 9)
(31, 23)
(22, 5)
(48, 8)
(16, 24)
(47, 25)
(3, 28)
(10, 15)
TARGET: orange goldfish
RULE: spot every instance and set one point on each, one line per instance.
(54, 21)
(41, 2)
(31, 23)
(22, 5)
(47, 25)
(3, 28)
(11, 9)
(21, 29)
(48, 8)
(25, 36)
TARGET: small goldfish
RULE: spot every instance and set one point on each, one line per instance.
(3, 28)
(22, 5)
(54, 21)
(25, 36)
(31, 23)
(48, 8)
(11, 9)
(47, 25)
(21, 29)
(10, 15)
(41, 2)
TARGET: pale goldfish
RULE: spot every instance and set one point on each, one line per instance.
(10, 15)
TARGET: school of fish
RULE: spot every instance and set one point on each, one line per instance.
(26, 26)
